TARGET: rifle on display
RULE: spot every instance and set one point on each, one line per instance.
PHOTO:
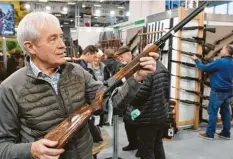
(184, 63)
(193, 79)
(187, 101)
(133, 38)
(212, 30)
(223, 38)
(69, 127)
(194, 92)
(191, 54)
(198, 41)
(134, 48)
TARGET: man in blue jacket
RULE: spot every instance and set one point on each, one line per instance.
(221, 76)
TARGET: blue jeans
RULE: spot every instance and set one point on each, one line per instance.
(219, 100)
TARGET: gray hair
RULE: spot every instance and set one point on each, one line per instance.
(229, 49)
(29, 25)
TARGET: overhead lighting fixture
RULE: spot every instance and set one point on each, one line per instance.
(97, 11)
(27, 6)
(97, 5)
(83, 5)
(96, 17)
(48, 8)
(101, 0)
(120, 7)
(43, 0)
(57, 15)
(65, 9)
(71, 3)
(78, 16)
(112, 12)
(71, 20)
(127, 14)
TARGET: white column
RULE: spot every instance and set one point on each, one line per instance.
(139, 9)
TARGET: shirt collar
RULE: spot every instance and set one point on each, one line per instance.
(36, 71)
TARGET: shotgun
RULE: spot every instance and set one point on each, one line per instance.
(193, 79)
(184, 63)
(198, 41)
(68, 128)
(187, 101)
(133, 38)
(205, 60)
(194, 92)
(212, 30)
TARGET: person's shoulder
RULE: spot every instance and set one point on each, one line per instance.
(16, 80)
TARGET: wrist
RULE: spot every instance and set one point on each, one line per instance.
(137, 77)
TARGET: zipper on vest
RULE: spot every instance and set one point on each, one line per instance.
(58, 96)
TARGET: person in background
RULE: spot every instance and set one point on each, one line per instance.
(78, 48)
(41, 95)
(99, 70)
(145, 130)
(88, 56)
(100, 73)
(221, 76)
(124, 56)
(111, 63)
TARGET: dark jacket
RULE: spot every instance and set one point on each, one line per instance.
(152, 99)
(112, 65)
(29, 109)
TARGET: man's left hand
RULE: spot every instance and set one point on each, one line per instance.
(148, 66)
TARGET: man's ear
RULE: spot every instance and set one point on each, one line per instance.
(29, 47)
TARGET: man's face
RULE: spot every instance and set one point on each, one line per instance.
(90, 57)
(97, 59)
(224, 52)
(125, 58)
(49, 49)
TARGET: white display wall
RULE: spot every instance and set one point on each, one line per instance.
(87, 35)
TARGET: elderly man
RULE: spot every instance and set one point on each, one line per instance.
(221, 76)
(41, 95)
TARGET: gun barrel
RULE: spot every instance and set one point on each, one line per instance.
(184, 63)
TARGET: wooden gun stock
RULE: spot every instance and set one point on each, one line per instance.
(68, 128)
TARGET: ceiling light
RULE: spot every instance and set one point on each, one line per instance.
(71, 20)
(65, 9)
(101, 0)
(83, 5)
(97, 11)
(78, 16)
(48, 8)
(97, 5)
(112, 12)
(120, 7)
(27, 6)
(127, 14)
(57, 15)
(43, 0)
(71, 3)
(96, 17)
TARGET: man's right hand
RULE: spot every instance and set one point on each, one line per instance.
(44, 149)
